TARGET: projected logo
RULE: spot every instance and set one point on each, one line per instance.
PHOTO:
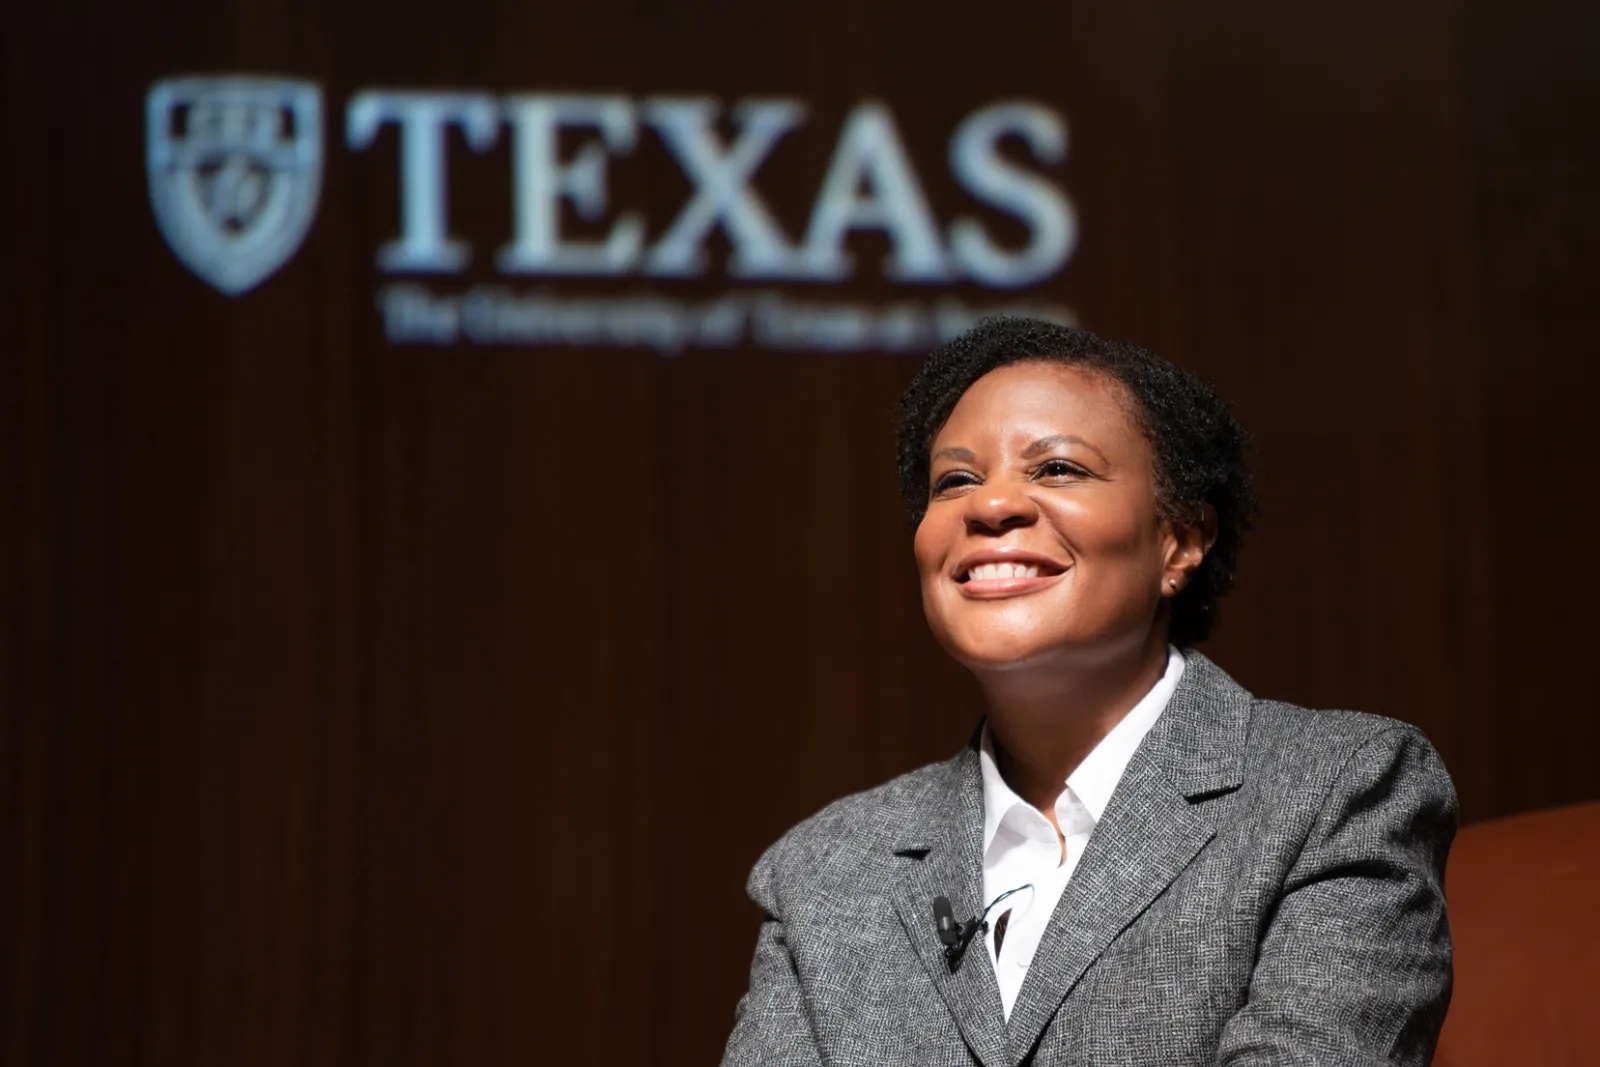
(235, 171)
(235, 167)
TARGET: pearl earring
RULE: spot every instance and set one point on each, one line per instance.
(1173, 582)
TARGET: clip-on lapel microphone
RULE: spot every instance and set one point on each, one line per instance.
(954, 935)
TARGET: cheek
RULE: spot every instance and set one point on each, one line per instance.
(1118, 557)
(931, 547)
(1119, 533)
(928, 548)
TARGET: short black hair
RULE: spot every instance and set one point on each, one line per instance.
(1202, 454)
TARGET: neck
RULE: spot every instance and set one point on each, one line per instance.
(1046, 719)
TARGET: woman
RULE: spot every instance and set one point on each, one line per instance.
(1135, 861)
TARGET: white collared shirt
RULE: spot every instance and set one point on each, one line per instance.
(1020, 846)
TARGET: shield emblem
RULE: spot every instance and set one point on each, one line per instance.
(235, 167)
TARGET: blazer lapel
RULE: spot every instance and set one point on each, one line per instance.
(1149, 833)
(943, 857)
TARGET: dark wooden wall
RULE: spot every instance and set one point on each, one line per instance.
(389, 706)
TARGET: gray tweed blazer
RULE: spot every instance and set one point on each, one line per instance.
(1265, 887)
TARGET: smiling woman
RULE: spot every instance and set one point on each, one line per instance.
(1175, 871)
(1078, 510)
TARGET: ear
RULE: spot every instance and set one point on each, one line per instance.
(1187, 544)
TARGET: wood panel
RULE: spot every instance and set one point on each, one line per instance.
(392, 705)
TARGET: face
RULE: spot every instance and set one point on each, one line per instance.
(1042, 539)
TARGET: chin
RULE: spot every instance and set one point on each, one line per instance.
(992, 652)
(988, 647)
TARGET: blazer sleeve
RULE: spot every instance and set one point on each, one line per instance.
(772, 1025)
(1354, 964)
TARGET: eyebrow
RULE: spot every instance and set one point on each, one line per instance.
(1045, 444)
(1039, 447)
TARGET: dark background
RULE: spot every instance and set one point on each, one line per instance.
(378, 705)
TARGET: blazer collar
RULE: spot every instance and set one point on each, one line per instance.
(1200, 738)
(1197, 743)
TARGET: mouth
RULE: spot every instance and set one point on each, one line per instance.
(992, 579)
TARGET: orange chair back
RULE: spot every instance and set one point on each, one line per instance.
(1524, 897)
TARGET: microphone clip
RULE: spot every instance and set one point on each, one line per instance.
(955, 949)
(955, 936)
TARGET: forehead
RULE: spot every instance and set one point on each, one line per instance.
(1033, 400)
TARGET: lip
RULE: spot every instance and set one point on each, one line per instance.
(999, 588)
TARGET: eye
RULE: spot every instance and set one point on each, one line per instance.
(1059, 468)
(953, 480)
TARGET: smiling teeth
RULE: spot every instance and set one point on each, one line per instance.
(992, 571)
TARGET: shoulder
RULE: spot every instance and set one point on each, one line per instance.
(850, 836)
(1218, 723)
(1319, 734)
(1293, 761)
(1295, 735)
(1329, 754)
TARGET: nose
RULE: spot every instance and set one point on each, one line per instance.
(999, 506)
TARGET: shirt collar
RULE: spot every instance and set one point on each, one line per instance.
(1094, 780)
